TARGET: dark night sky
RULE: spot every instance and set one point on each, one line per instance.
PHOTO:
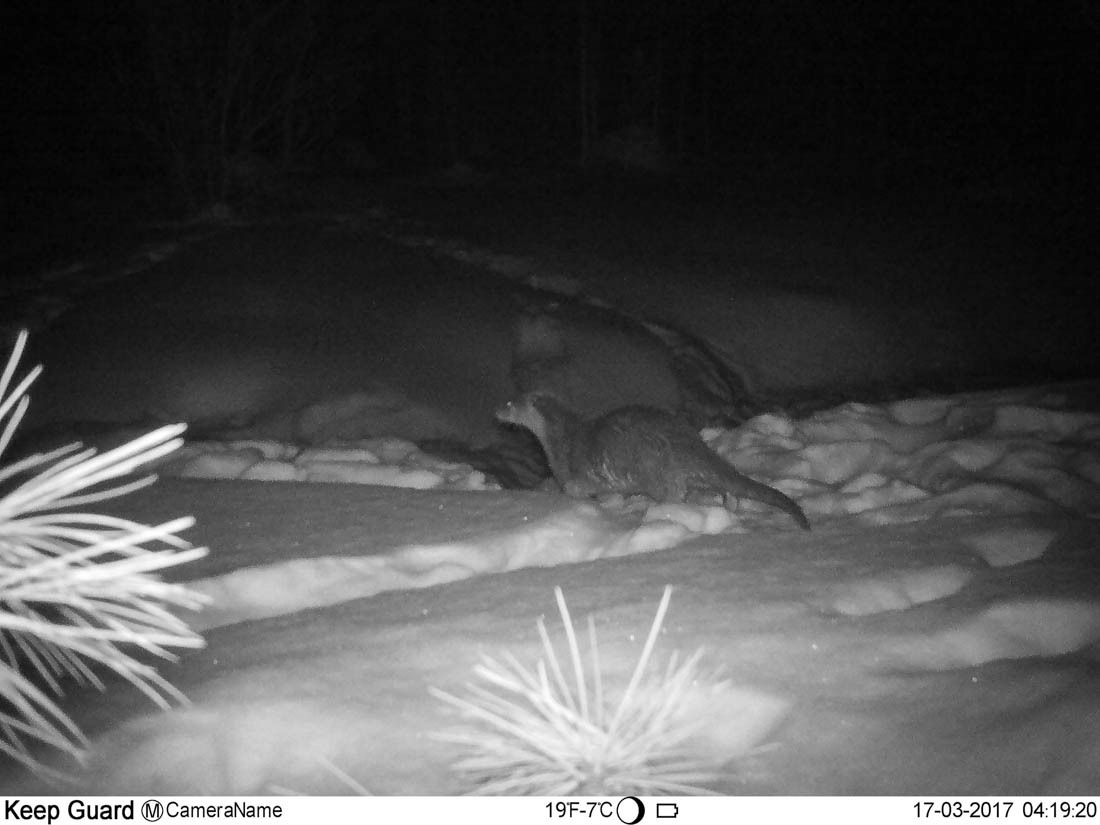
(118, 112)
(1009, 81)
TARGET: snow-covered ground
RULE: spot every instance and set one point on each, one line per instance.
(1001, 454)
(936, 633)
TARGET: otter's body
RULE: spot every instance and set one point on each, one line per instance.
(635, 451)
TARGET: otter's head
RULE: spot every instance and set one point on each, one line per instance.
(533, 411)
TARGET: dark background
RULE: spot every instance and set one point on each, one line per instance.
(967, 129)
(977, 89)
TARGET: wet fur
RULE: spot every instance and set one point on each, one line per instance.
(635, 451)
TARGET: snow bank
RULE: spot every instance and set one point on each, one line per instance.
(391, 462)
(1010, 452)
(909, 461)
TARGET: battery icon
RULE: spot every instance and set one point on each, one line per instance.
(667, 810)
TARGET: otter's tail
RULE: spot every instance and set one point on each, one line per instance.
(745, 487)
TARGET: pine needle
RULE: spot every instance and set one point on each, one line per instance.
(530, 733)
(77, 589)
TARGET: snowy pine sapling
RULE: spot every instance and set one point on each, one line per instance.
(79, 589)
(531, 733)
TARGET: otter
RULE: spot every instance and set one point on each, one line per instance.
(634, 450)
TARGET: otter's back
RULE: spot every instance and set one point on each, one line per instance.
(649, 451)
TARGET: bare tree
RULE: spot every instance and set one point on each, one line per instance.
(238, 89)
(588, 96)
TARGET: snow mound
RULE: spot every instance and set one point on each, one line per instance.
(699, 520)
(390, 462)
(1008, 452)
(1009, 629)
(920, 459)
(580, 533)
(195, 750)
(898, 590)
(1004, 547)
(842, 642)
(910, 461)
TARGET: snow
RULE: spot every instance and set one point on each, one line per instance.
(859, 460)
(922, 515)
(387, 461)
(936, 633)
